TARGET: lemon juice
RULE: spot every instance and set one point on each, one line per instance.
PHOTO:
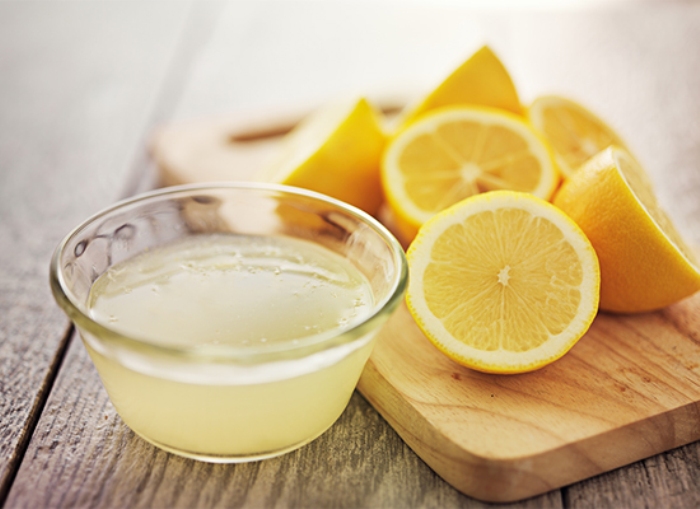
(266, 299)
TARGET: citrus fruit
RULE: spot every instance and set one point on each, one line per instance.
(456, 152)
(575, 133)
(503, 282)
(644, 262)
(336, 151)
(482, 80)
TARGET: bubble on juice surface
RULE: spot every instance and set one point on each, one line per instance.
(234, 289)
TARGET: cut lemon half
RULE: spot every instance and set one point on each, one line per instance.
(503, 282)
(645, 263)
(575, 133)
(457, 152)
(481, 80)
(336, 151)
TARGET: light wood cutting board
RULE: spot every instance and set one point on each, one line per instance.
(628, 390)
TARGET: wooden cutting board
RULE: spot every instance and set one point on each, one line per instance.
(628, 390)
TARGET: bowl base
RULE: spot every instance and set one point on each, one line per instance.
(230, 458)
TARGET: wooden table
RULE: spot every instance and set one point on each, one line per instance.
(83, 85)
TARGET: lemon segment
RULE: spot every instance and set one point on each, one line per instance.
(336, 151)
(575, 133)
(481, 80)
(456, 152)
(645, 263)
(503, 282)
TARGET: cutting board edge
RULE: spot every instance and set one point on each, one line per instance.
(518, 478)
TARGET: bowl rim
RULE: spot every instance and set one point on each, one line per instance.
(357, 329)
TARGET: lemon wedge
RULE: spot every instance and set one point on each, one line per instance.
(336, 151)
(644, 261)
(481, 80)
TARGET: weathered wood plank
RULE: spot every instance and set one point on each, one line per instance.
(73, 103)
(666, 480)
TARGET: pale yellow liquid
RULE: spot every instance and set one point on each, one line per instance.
(250, 292)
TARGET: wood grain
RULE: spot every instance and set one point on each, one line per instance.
(628, 390)
(666, 480)
(72, 101)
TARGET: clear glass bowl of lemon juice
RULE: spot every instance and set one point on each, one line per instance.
(229, 322)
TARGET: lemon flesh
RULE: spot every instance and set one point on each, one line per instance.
(575, 133)
(503, 282)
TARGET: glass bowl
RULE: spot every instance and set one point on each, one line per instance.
(229, 322)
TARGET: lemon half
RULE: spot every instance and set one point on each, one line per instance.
(456, 152)
(503, 282)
